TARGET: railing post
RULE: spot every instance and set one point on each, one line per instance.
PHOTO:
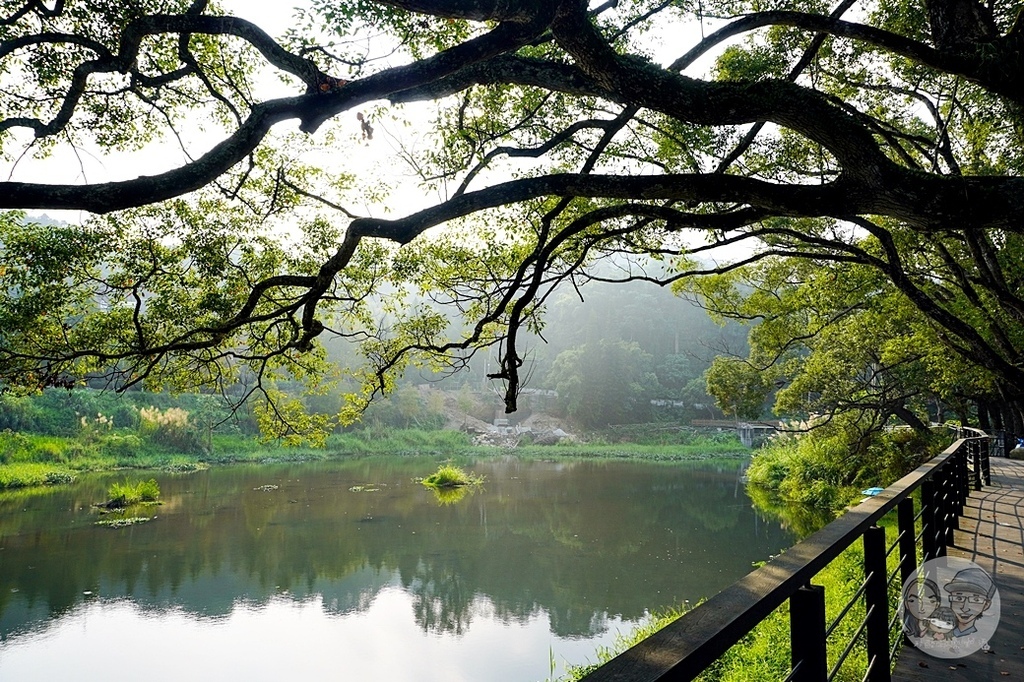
(907, 543)
(807, 634)
(985, 468)
(877, 604)
(928, 528)
(958, 490)
(977, 468)
(948, 507)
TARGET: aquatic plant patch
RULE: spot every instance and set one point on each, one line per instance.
(123, 523)
(127, 493)
(449, 476)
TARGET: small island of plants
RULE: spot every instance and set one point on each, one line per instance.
(451, 476)
(125, 495)
(128, 493)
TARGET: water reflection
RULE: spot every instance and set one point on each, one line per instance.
(576, 550)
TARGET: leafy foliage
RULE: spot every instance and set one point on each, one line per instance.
(829, 466)
(879, 147)
(128, 493)
(451, 476)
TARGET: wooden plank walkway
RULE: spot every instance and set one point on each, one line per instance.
(991, 535)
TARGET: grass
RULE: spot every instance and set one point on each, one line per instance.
(126, 493)
(367, 442)
(825, 468)
(30, 460)
(25, 474)
(451, 476)
(650, 453)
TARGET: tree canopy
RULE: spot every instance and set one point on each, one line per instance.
(835, 339)
(879, 135)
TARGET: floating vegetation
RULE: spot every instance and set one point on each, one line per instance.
(184, 467)
(451, 484)
(368, 488)
(127, 493)
(451, 476)
(122, 523)
(59, 477)
(266, 488)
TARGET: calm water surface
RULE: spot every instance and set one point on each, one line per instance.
(321, 580)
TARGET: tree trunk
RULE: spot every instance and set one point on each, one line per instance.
(984, 423)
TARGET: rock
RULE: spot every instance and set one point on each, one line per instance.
(1017, 453)
(548, 438)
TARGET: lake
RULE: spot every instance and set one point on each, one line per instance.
(352, 570)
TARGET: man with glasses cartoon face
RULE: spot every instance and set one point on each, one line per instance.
(970, 594)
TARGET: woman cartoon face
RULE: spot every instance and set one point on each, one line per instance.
(921, 599)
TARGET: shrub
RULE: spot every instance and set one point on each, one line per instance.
(122, 446)
(58, 477)
(13, 446)
(804, 469)
(170, 428)
(827, 466)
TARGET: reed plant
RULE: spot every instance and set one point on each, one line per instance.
(127, 493)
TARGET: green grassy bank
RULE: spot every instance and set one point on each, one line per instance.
(28, 459)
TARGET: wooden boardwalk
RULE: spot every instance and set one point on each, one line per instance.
(991, 535)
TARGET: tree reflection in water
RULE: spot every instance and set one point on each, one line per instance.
(579, 544)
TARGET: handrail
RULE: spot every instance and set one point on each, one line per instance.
(684, 648)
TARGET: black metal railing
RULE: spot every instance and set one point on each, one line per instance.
(684, 649)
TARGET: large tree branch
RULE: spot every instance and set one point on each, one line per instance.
(520, 11)
(883, 188)
(311, 109)
(976, 348)
(982, 59)
(36, 6)
(925, 201)
(155, 24)
(779, 199)
(886, 40)
(512, 69)
(717, 104)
